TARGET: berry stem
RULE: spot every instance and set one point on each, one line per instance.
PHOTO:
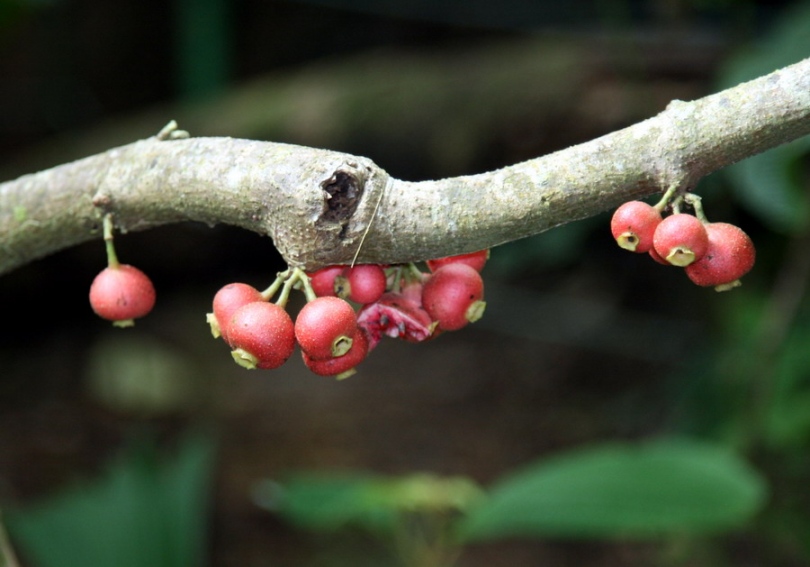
(309, 293)
(112, 257)
(297, 275)
(697, 205)
(668, 198)
(281, 277)
(394, 276)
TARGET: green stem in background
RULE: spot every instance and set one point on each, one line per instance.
(7, 556)
(423, 539)
(112, 257)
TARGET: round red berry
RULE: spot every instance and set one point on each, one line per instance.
(453, 296)
(681, 239)
(364, 283)
(730, 255)
(323, 280)
(228, 299)
(655, 256)
(121, 294)
(340, 366)
(261, 335)
(325, 326)
(475, 260)
(633, 225)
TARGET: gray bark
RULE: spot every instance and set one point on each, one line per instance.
(319, 206)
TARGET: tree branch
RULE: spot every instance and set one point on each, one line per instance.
(319, 205)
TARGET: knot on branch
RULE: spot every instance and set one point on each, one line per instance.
(342, 193)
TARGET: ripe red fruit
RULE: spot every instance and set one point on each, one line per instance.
(730, 256)
(475, 260)
(364, 283)
(397, 316)
(325, 327)
(227, 300)
(323, 280)
(633, 225)
(340, 366)
(655, 256)
(452, 296)
(122, 293)
(681, 239)
(261, 335)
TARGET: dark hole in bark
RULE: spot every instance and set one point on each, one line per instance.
(344, 194)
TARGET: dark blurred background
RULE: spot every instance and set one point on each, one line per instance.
(582, 343)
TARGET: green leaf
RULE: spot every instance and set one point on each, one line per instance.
(770, 184)
(330, 501)
(327, 502)
(647, 491)
(144, 512)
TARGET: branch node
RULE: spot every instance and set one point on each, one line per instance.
(342, 193)
(172, 132)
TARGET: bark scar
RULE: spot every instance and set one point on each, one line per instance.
(342, 193)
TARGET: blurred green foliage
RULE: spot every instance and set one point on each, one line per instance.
(146, 510)
(663, 488)
(773, 185)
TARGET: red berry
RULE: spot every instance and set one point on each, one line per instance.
(340, 366)
(364, 283)
(655, 256)
(681, 239)
(633, 225)
(397, 316)
(475, 260)
(228, 299)
(325, 326)
(121, 294)
(323, 280)
(261, 335)
(452, 296)
(730, 256)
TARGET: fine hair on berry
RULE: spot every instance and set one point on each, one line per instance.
(681, 239)
(325, 326)
(261, 334)
(122, 293)
(633, 225)
(731, 255)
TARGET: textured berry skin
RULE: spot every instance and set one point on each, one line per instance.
(476, 260)
(397, 316)
(263, 330)
(451, 295)
(323, 280)
(730, 256)
(342, 364)
(324, 327)
(633, 225)
(364, 283)
(122, 293)
(227, 300)
(681, 239)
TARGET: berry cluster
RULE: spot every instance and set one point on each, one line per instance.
(349, 310)
(120, 293)
(714, 254)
